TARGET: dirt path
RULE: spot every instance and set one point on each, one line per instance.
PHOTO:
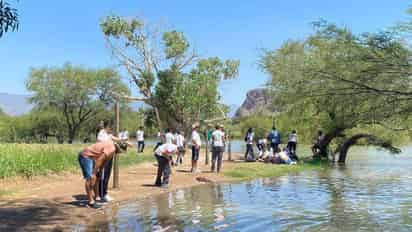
(56, 202)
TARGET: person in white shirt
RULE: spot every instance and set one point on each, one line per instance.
(124, 134)
(181, 144)
(169, 137)
(196, 143)
(163, 155)
(160, 138)
(105, 135)
(292, 144)
(140, 139)
(218, 142)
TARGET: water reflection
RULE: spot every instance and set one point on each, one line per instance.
(371, 193)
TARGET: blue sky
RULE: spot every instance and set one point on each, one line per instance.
(55, 32)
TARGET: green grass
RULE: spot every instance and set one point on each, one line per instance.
(30, 160)
(245, 171)
(7, 192)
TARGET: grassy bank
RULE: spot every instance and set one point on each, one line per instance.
(41, 159)
(245, 171)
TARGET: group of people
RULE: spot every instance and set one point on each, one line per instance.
(269, 147)
(96, 160)
(171, 143)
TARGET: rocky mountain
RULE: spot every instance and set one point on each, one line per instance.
(257, 101)
(15, 104)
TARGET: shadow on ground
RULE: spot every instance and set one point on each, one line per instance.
(31, 215)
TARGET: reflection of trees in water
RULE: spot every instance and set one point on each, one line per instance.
(345, 211)
(201, 206)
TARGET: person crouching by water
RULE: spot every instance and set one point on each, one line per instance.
(164, 155)
(261, 146)
(218, 142)
(92, 159)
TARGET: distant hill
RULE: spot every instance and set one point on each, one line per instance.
(15, 104)
(258, 101)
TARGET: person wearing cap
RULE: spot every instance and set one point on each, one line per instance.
(196, 143)
(92, 159)
(218, 141)
(163, 155)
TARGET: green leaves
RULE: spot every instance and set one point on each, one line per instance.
(9, 18)
(80, 94)
(117, 26)
(338, 79)
(157, 63)
(175, 44)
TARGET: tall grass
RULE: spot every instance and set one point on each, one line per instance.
(30, 160)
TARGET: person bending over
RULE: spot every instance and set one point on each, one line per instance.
(92, 159)
(163, 155)
(105, 135)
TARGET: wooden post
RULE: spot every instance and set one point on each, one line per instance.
(116, 157)
(207, 149)
(229, 146)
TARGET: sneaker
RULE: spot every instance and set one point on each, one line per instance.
(165, 186)
(107, 198)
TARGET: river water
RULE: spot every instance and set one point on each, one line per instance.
(373, 192)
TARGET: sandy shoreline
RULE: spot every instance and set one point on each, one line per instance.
(55, 202)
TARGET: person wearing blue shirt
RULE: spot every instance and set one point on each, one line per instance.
(274, 139)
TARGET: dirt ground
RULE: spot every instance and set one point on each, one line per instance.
(56, 202)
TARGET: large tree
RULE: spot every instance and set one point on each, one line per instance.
(166, 71)
(80, 94)
(8, 18)
(340, 81)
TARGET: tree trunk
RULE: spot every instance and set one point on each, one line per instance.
(329, 137)
(344, 147)
(72, 135)
(372, 139)
(158, 119)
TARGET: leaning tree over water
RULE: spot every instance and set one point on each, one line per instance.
(344, 83)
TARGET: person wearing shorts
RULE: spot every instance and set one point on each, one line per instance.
(91, 160)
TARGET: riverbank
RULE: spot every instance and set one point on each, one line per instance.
(56, 201)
